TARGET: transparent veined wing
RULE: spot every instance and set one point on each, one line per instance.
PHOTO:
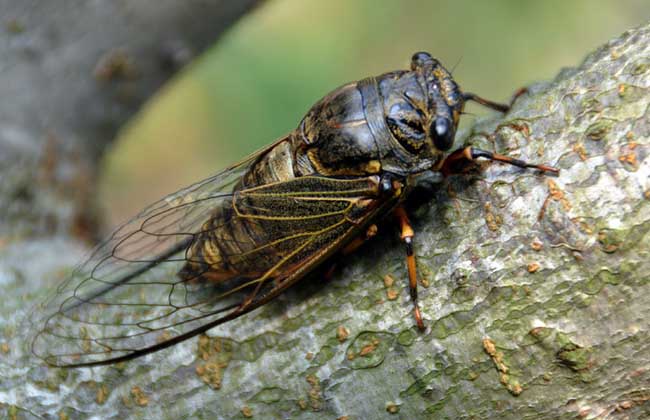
(128, 298)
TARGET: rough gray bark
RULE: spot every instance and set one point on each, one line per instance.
(537, 294)
(73, 72)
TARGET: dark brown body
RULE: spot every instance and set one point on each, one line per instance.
(344, 136)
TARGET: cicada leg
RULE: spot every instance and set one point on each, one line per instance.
(406, 234)
(467, 96)
(458, 161)
(349, 249)
(360, 240)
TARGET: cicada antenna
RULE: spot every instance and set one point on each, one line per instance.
(453, 69)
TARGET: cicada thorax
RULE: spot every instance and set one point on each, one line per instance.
(336, 136)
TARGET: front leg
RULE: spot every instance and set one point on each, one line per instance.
(460, 160)
(406, 234)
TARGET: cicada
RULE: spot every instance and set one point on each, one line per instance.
(223, 247)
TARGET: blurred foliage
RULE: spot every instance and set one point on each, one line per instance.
(257, 82)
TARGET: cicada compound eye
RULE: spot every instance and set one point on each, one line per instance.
(405, 124)
(422, 59)
(441, 132)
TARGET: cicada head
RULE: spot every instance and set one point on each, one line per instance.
(402, 122)
(422, 107)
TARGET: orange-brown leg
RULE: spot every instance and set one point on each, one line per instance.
(349, 249)
(406, 234)
(359, 240)
(519, 92)
(329, 271)
(458, 161)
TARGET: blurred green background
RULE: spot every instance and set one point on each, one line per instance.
(259, 80)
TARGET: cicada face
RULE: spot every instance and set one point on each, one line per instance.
(422, 107)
